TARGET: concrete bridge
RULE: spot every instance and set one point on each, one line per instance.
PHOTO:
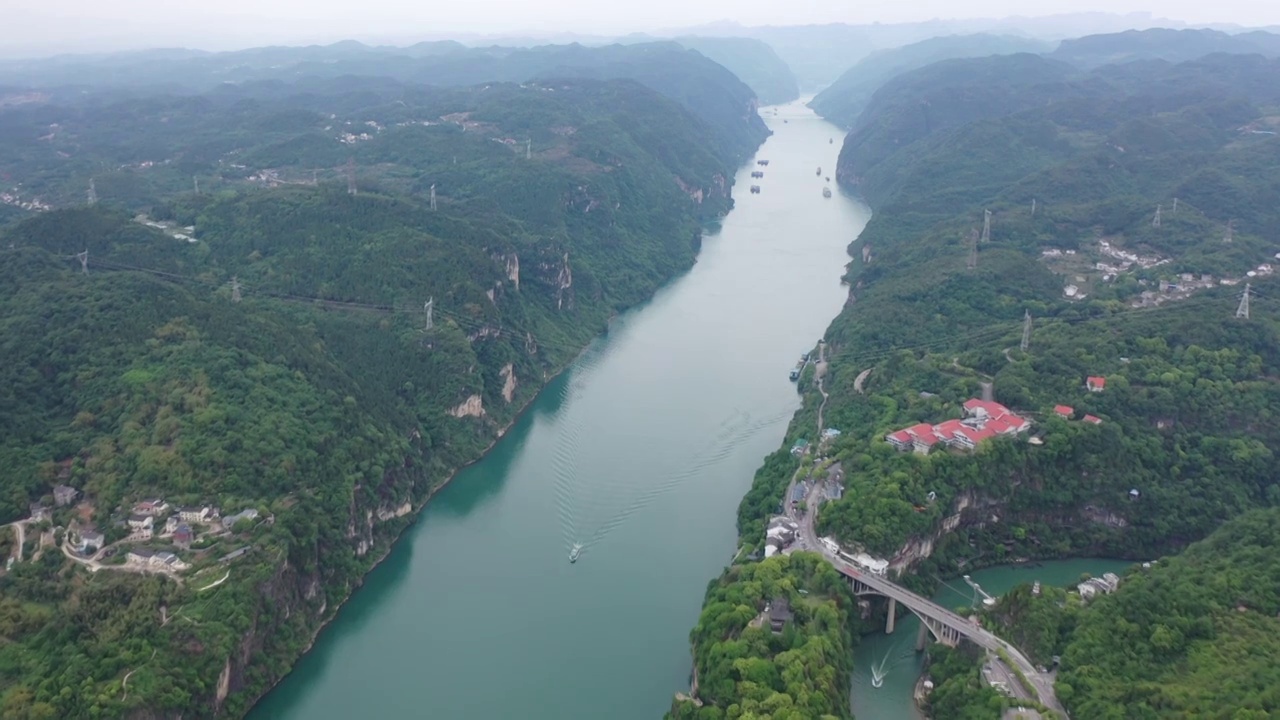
(946, 627)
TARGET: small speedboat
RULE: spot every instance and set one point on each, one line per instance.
(574, 552)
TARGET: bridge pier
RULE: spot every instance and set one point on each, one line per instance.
(893, 611)
(922, 637)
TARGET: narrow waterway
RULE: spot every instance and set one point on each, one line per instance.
(895, 659)
(641, 452)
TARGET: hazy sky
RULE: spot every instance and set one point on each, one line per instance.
(30, 27)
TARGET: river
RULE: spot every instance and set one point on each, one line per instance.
(895, 658)
(642, 451)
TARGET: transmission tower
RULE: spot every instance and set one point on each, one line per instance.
(1175, 207)
(986, 226)
(235, 289)
(351, 176)
(315, 177)
(1033, 207)
(1243, 310)
(528, 149)
(433, 196)
(430, 308)
(196, 181)
(973, 249)
(84, 261)
(1156, 221)
(1227, 238)
(93, 193)
(1026, 332)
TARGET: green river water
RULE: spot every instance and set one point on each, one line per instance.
(641, 451)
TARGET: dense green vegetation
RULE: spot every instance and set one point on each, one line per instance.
(705, 88)
(263, 344)
(844, 100)
(1188, 636)
(1188, 413)
(959, 691)
(1196, 635)
(746, 670)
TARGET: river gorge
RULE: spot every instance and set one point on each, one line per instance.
(640, 451)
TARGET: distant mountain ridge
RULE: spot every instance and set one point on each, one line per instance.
(706, 88)
(1163, 44)
(846, 98)
(754, 62)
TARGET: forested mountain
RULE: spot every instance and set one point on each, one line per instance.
(1192, 635)
(1163, 44)
(1180, 435)
(754, 62)
(1195, 635)
(915, 105)
(706, 88)
(311, 362)
(844, 100)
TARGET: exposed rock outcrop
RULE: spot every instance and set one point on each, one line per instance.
(508, 382)
(471, 407)
(513, 269)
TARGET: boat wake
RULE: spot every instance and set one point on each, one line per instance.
(582, 501)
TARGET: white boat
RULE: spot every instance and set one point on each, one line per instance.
(574, 552)
(826, 192)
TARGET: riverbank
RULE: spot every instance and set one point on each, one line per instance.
(394, 539)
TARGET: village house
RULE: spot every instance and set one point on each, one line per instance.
(983, 419)
(64, 495)
(150, 559)
(230, 521)
(781, 533)
(1064, 411)
(779, 614)
(168, 561)
(200, 514)
(182, 536)
(238, 552)
(38, 512)
(1095, 384)
(1105, 585)
(141, 527)
(171, 525)
(1093, 419)
(90, 542)
(139, 556)
(151, 506)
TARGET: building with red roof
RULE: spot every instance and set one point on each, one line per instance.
(1064, 411)
(1094, 419)
(1095, 384)
(900, 439)
(983, 419)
